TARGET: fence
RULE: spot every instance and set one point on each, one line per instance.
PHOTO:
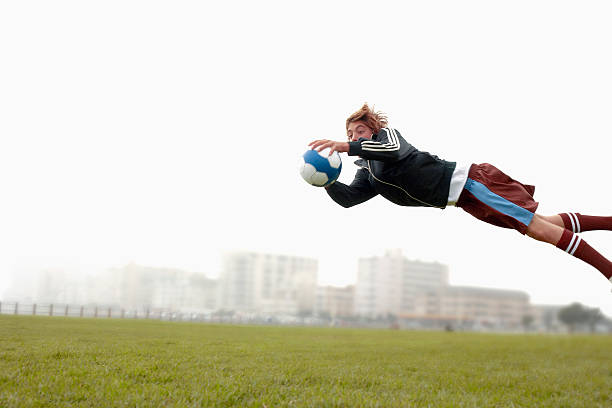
(115, 312)
(108, 312)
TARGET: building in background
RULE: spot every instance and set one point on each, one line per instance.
(333, 302)
(418, 294)
(179, 290)
(390, 284)
(140, 287)
(57, 285)
(268, 284)
(474, 307)
(60, 285)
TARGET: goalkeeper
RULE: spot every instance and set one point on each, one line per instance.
(393, 168)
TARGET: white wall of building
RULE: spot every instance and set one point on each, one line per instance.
(267, 283)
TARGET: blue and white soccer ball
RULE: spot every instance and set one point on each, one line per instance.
(319, 169)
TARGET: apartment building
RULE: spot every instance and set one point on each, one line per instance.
(418, 293)
(335, 301)
(390, 284)
(267, 284)
(136, 286)
(485, 307)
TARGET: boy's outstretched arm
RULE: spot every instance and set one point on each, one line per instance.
(359, 191)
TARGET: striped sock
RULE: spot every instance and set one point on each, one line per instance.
(576, 246)
(579, 223)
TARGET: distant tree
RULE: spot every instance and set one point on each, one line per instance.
(594, 317)
(607, 323)
(527, 321)
(303, 314)
(577, 314)
(351, 318)
(324, 314)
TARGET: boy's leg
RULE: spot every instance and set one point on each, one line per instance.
(543, 230)
(577, 222)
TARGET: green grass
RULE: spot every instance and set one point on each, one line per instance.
(86, 362)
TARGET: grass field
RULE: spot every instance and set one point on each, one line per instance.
(85, 362)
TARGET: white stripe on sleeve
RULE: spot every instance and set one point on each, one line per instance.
(392, 145)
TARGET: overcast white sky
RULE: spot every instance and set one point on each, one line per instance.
(165, 133)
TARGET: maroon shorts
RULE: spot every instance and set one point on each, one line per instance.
(494, 197)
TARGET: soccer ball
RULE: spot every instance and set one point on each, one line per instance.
(319, 169)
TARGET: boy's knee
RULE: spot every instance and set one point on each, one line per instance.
(542, 230)
(534, 232)
(537, 228)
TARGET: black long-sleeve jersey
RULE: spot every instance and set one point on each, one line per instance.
(393, 168)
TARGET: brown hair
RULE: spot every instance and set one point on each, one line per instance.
(374, 120)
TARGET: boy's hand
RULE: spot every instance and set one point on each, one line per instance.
(340, 147)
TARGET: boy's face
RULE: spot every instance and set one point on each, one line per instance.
(357, 130)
